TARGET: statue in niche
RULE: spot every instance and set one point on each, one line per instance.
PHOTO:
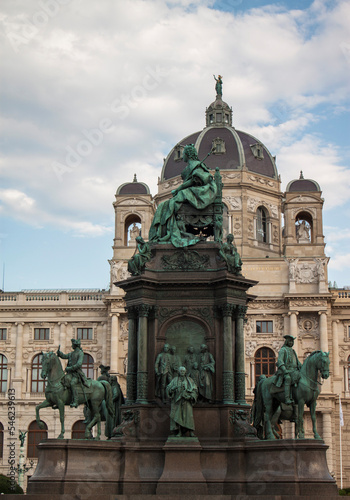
(198, 189)
(218, 85)
(190, 359)
(134, 232)
(228, 253)
(303, 232)
(175, 361)
(137, 263)
(195, 374)
(206, 370)
(182, 392)
(163, 372)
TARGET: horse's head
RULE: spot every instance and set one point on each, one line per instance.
(46, 359)
(323, 364)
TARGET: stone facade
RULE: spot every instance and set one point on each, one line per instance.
(292, 294)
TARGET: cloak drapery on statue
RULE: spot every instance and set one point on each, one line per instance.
(198, 189)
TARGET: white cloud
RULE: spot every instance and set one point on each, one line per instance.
(153, 62)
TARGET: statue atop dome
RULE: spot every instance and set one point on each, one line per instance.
(218, 85)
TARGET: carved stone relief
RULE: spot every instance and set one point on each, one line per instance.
(123, 329)
(235, 202)
(237, 227)
(308, 324)
(254, 203)
(277, 344)
(266, 304)
(250, 347)
(306, 273)
(308, 303)
(250, 227)
(249, 326)
(260, 180)
(230, 176)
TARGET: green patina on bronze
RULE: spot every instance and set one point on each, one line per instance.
(58, 391)
(228, 253)
(137, 263)
(198, 191)
(270, 400)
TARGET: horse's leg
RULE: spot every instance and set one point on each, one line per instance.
(44, 404)
(96, 419)
(313, 418)
(300, 420)
(268, 412)
(60, 405)
(274, 421)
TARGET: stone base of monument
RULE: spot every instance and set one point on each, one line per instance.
(247, 469)
(182, 473)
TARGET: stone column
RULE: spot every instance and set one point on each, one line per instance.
(228, 380)
(327, 436)
(17, 380)
(323, 331)
(335, 331)
(293, 329)
(142, 358)
(114, 342)
(132, 356)
(252, 376)
(346, 380)
(104, 343)
(240, 356)
(63, 336)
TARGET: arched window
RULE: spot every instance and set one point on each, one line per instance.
(1, 440)
(35, 435)
(88, 366)
(37, 383)
(132, 229)
(303, 227)
(265, 362)
(261, 225)
(3, 373)
(78, 430)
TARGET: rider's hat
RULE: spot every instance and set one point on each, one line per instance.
(289, 337)
(75, 341)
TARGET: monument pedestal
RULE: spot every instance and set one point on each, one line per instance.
(182, 473)
(131, 468)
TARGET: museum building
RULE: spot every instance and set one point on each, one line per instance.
(279, 236)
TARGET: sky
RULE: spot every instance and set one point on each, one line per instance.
(93, 92)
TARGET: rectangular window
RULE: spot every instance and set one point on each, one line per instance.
(349, 331)
(41, 333)
(264, 326)
(84, 333)
(3, 333)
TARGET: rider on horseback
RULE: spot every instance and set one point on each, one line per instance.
(75, 375)
(288, 366)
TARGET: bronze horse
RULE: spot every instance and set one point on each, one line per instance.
(58, 395)
(268, 403)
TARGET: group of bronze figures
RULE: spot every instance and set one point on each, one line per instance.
(188, 380)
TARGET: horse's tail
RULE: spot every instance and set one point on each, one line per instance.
(258, 405)
(108, 397)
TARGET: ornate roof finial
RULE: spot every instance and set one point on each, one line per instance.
(301, 175)
(135, 178)
(218, 85)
